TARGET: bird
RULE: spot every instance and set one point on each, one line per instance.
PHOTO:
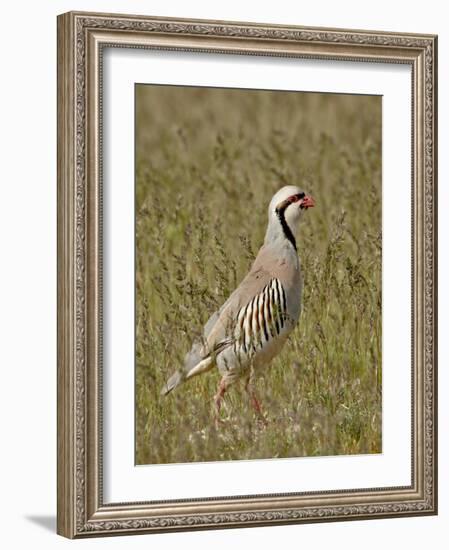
(253, 324)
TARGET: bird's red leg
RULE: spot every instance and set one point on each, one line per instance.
(254, 401)
(222, 387)
(256, 404)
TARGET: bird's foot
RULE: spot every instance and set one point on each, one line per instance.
(219, 422)
(262, 421)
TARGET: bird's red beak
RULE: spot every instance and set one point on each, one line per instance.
(307, 202)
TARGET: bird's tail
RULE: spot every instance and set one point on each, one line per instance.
(175, 379)
(194, 364)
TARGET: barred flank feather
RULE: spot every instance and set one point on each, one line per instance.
(262, 318)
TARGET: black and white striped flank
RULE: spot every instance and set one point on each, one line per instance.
(262, 319)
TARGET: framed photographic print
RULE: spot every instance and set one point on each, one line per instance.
(246, 274)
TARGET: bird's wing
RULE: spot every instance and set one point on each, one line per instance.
(221, 324)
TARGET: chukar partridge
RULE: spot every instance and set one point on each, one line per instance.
(251, 327)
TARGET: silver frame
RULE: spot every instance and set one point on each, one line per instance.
(81, 40)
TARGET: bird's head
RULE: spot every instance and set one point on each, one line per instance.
(286, 209)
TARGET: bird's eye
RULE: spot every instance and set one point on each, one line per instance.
(296, 198)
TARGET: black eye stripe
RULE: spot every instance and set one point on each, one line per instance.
(296, 198)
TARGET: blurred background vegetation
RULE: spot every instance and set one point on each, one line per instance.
(207, 164)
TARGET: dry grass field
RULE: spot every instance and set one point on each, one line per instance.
(207, 164)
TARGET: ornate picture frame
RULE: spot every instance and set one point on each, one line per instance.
(82, 39)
